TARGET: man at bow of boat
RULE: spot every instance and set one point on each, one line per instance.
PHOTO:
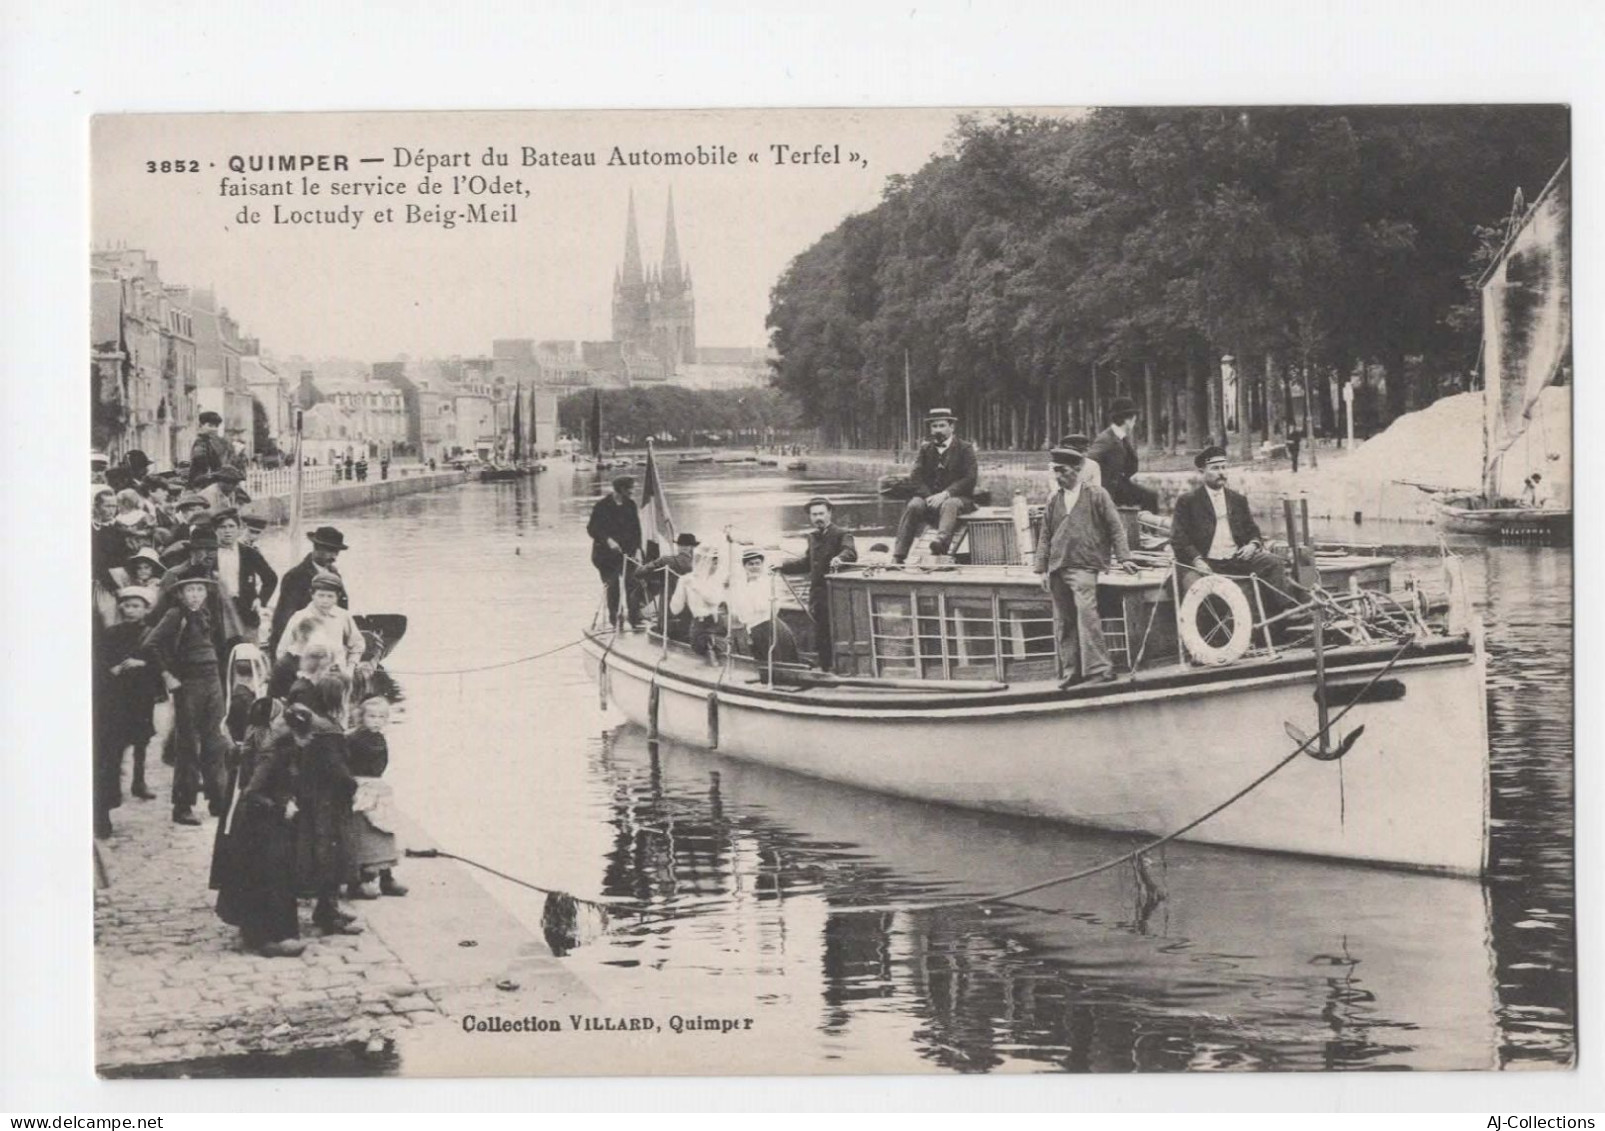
(1081, 531)
(1213, 531)
(615, 530)
(944, 476)
(828, 547)
(663, 573)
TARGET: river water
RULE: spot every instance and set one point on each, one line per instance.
(1208, 959)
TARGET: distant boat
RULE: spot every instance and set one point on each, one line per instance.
(1526, 335)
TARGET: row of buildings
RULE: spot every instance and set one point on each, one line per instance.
(163, 353)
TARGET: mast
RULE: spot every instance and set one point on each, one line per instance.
(296, 484)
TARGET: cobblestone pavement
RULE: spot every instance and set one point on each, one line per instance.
(173, 984)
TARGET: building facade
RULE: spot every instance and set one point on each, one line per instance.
(142, 360)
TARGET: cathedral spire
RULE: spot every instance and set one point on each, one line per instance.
(632, 249)
(671, 247)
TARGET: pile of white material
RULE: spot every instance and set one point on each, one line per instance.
(1441, 445)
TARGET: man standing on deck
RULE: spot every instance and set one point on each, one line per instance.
(1117, 457)
(828, 546)
(1213, 531)
(615, 530)
(1081, 531)
(945, 474)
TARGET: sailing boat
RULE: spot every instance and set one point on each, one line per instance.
(1526, 336)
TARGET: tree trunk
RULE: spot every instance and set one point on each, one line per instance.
(1150, 403)
(1398, 385)
(1198, 398)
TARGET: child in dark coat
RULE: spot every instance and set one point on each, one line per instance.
(371, 837)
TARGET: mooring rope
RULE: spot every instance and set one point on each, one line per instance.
(490, 667)
(1014, 893)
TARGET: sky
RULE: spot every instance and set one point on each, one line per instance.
(379, 290)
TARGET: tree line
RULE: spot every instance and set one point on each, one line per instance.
(676, 415)
(1039, 267)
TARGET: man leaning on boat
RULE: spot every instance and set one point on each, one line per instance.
(1081, 532)
(945, 475)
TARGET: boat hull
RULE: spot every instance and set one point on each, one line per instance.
(1508, 523)
(1146, 758)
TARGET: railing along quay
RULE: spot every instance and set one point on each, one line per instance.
(279, 482)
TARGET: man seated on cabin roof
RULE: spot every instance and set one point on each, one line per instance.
(1213, 531)
(1081, 531)
(944, 475)
(752, 605)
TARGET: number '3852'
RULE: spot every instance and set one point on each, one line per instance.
(172, 166)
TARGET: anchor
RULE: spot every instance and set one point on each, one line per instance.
(1304, 564)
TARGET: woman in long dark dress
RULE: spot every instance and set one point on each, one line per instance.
(324, 788)
(253, 857)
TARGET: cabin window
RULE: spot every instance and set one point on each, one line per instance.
(972, 638)
(932, 649)
(892, 634)
(1027, 638)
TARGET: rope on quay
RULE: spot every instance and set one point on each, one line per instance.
(1141, 850)
(490, 667)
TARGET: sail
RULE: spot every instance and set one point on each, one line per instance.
(518, 424)
(1526, 319)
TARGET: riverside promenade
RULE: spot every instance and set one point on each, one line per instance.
(324, 494)
(174, 990)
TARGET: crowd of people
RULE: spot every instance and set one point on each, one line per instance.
(281, 736)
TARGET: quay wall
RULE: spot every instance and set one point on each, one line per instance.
(347, 496)
(1331, 494)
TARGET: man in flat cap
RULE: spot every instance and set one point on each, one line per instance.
(828, 547)
(224, 491)
(1081, 532)
(1213, 531)
(945, 473)
(1117, 457)
(211, 452)
(615, 530)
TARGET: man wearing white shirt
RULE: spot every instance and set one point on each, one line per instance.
(1213, 531)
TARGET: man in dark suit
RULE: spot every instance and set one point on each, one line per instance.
(242, 571)
(615, 530)
(211, 452)
(662, 575)
(944, 478)
(1212, 531)
(1116, 457)
(828, 546)
(295, 588)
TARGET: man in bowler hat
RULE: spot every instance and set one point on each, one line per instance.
(295, 587)
(945, 473)
(1116, 456)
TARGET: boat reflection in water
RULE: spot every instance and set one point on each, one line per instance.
(1200, 958)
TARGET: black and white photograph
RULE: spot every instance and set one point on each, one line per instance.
(804, 592)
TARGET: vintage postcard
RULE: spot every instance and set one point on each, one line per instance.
(1078, 589)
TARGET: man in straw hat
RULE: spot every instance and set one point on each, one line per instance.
(295, 587)
(944, 478)
(1116, 456)
(1213, 531)
(1081, 532)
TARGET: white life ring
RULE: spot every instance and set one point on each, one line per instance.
(1200, 649)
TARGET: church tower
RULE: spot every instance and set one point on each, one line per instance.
(632, 322)
(674, 309)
